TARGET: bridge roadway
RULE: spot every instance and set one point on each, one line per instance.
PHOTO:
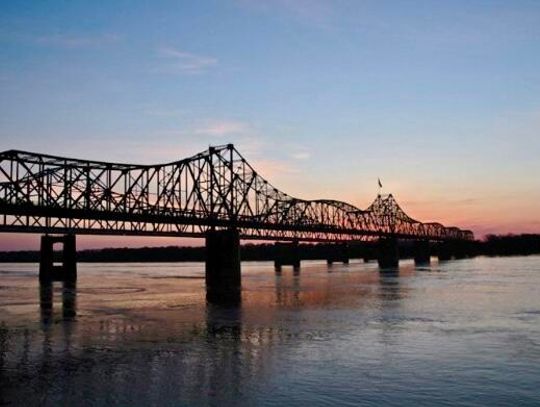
(216, 195)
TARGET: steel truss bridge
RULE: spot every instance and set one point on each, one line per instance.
(216, 189)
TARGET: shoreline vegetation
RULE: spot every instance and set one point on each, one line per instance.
(492, 245)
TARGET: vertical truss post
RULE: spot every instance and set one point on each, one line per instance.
(232, 213)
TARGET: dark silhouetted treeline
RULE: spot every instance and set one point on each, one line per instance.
(248, 251)
(492, 245)
(510, 245)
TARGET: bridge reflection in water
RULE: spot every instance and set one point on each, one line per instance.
(216, 195)
(345, 335)
(182, 342)
(46, 301)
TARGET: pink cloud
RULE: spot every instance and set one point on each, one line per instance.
(224, 128)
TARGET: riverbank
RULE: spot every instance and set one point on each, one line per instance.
(493, 245)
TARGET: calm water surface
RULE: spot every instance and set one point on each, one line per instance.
(465, 332)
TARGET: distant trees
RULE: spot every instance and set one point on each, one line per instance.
(507, 245)
(492, 245)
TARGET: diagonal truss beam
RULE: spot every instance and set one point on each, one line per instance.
(216, 188)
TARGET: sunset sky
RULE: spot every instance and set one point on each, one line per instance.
(438, 99)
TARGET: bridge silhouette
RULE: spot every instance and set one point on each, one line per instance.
(215, 194)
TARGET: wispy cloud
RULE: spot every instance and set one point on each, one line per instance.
(301, 155)
(224, 128)
(274, 168)
(251, 143)
(77, 41)
(181, 62)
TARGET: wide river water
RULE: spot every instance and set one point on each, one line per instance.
(464, 332)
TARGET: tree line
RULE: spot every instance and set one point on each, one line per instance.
(492, 245)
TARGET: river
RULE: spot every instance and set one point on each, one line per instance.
(464, 332)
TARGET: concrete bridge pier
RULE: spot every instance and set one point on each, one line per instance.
(460, 249)
(388, 253)
(469, 248)
(369, 252)
(337, 253)
(222, 268)
(445, 251)
(422, 254)
(48, 272)
(286, 254)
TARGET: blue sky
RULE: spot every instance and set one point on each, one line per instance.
(441, 100)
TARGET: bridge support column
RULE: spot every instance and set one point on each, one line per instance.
(422, 255)
(337, 253)
(388, 253)
(286, 254)
(369, 252)
(469, 248)
(460, 249)
(445, 251)
(223, 280)
(48, 272)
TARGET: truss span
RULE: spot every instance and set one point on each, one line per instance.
(216, 188)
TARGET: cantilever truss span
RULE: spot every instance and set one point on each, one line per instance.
(217, 188)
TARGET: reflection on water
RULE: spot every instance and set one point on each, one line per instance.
(69, 301)
(460, 333)
(389, 286)
(288, 289)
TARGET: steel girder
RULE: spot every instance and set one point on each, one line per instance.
(217, 188)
